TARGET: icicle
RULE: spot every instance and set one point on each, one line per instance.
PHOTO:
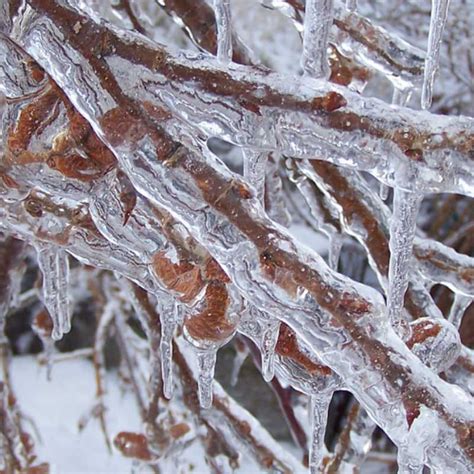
(254, 170)
(400, 97)
(54, 265)
(402, 233)
(351, 5)
(319, 405)
(317, 23)
(239, 359)
(269, 340)
(169, 318)
(422, 435)
(206, 363)
(42, 326)
(439, 15)
(460, 304)
(335, 247)
(224, 31)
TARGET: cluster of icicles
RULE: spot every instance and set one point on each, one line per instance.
(137, 243)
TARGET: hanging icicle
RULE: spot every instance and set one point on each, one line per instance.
(439, 15)
(351, 5)
(254, 170)
(460, 304)
(206, 359)
(400, 97)
(318, 411)
(54, 265)
(317, 23)
(224, 30)
(242, 352)
(402, 233)
(169, 321)
(335, 247)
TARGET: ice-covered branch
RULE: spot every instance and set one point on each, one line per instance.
(368, 43)
(403, 148)
(341, 321)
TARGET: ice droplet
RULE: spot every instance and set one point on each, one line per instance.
(439, 15)
(54, 265)
(317, 23)
(383, 191)
(319, 405)
(268, 344)
(402, 233)
(206, 359)
(224, 30)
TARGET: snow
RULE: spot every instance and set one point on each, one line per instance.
(57, 406)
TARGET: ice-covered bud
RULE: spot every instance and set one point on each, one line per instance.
(435, 342)
(133, 445)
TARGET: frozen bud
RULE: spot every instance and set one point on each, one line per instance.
(179, 430)
(436, 342)
(42, 324)
(133, 445)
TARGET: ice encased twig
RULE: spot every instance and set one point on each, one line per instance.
(317, 23)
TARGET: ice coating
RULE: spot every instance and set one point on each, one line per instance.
(54, 265)
(317, 22)
(224, 30)
(439, 15)
(191, 206)
(402, 234)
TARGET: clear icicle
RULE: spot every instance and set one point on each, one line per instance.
(458, 308)
(402, 233)
(411, 455)
(206, 359)
(54, 265)
(169, 318)
(319, 405)
(224, 30)
(269, 340)
(48, 352)
(317, 23)
(351, 5)
(254, 170)
(439, 15)
(239, 359)
(400, 97)
(335, 247)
